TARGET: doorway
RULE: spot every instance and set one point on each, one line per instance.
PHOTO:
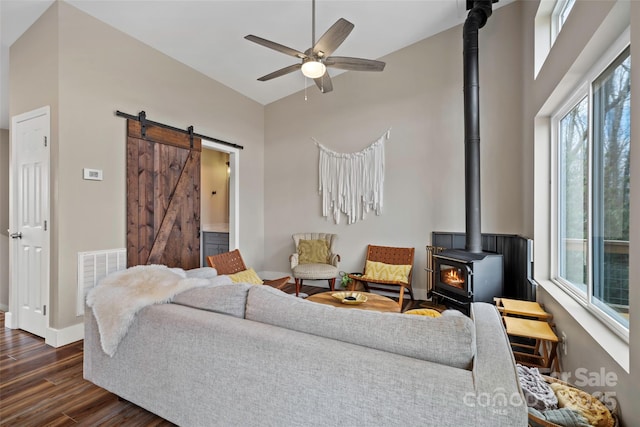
(220, 198)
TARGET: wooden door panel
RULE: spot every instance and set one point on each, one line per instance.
(191, 217)
(163, 197)
(146, 202)
(172, 220)
(133, 200)
(169, 161)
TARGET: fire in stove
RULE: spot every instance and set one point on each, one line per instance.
(453, 277)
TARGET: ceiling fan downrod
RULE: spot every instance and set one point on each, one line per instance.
(313, 22)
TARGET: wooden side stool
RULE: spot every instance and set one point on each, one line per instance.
(544, 353)
(521, 308)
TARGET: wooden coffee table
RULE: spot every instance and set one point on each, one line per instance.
(374, 302)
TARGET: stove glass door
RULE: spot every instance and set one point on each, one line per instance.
(454, 276)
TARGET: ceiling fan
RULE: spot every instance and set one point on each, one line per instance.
(316, 59)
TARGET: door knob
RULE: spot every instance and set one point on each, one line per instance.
(16, 235)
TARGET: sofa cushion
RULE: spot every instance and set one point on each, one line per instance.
(315, 271)
(222, 296)
(448, 340)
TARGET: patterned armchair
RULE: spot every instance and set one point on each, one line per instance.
(314, 258)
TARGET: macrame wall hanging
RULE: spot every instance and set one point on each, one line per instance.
(352, 183)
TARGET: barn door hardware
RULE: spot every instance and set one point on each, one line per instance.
(142, 118)
(144, 122)
(190, 130)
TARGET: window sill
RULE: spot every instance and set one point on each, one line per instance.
(610, 342)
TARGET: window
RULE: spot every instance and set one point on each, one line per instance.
(592, 135)
(573, 191)
(559, 15)
(550, 17)
(564, 9)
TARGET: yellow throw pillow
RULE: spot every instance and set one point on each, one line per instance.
(388, 272)
(313, 252)
(246, 276)
(429, 312)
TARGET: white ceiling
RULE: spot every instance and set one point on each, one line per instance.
(208, 35)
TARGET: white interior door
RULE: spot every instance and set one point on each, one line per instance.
(29, 212)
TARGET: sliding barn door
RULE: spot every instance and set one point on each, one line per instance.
(163, 197)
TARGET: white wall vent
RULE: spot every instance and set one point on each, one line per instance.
(92, 267)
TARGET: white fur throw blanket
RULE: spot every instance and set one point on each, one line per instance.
(120, 295)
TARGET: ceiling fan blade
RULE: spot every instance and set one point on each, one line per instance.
(275, 46)
(354, 64)
(324, 83)
(281, 72)
(333, 38)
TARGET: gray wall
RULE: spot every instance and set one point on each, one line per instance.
(100, 70)
(419, 95)
(4, 219)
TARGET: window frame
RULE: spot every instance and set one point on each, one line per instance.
(584, 88)
(556, 16)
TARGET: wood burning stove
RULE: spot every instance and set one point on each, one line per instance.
(463, 277)
(471, 275)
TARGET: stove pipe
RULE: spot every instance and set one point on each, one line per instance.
(477, 17)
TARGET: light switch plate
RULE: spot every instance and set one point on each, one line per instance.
(92, 174)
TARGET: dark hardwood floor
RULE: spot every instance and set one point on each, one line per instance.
(43, 386)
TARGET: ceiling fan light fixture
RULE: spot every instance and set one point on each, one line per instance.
(313, 69)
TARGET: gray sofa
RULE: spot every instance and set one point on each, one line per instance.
(242, 355)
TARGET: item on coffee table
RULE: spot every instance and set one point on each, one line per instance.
(350, 297)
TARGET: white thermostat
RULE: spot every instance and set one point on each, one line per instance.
(92, 174)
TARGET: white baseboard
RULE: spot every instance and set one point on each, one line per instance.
(9, 321)
(60, 337)
(54, 337)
